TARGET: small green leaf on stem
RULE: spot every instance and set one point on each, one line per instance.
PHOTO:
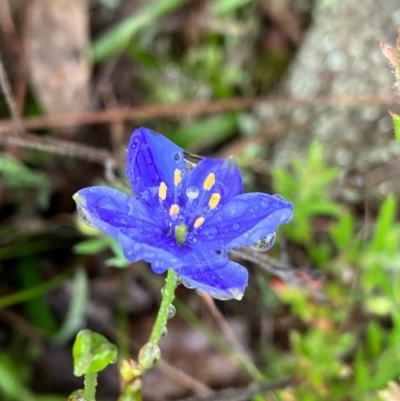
(92, 353)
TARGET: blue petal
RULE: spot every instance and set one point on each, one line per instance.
(125, 219)
(245, 220)
(214, 274)
(228, 179)
(152, 159)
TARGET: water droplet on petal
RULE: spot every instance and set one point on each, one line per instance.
(186, 283)
(177, 157)
(192, 192)
(209, 232)
(84, 216)
(236, 226)
(171, 311)
(264, 243)
(278, 196)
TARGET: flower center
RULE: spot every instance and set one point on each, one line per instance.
(181, 231)
(188, 214)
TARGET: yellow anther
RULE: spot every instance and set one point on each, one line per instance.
(177, 177)
(173, 210)
(209, 181)
(214, 200)
(162, 190)
(199, 221)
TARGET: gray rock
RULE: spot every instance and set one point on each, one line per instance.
(340, 57)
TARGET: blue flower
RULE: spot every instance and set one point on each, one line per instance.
(183, 215)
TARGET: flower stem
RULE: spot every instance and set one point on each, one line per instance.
(168, 296)
(90, 383)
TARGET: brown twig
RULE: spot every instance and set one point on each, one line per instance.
(117, 127)
(232, 339)
(246, 393)
(21, 80)
(12, 105)
(185, 108)
(58, 146)
(298, 277)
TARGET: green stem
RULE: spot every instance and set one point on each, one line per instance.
(33, 292)
(167, 298)
(90, 383)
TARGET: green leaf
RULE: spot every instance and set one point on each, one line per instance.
(396, 124)
(379, 305)
(388, 368)
(118, 37)
(361, 371)
(92, 353)
(343, 231)
(91, 246)
(11, 386)
(119, 259)
(77, 307)
(205, 132)
(33, 292)
(17, 175)
(221, 7)
(37, 308)
(374, 339)
(384, 223)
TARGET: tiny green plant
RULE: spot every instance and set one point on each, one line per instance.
(92, 353)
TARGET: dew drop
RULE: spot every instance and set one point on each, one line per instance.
(164, 332)
(192, 239)
(264, 243)
(278, 196)
(186, 283)
(149, 355)
(210, 232)
(236, 226)
(192, 192)
(177, 157)
(218, 251)
(171, 312)
(84, 216)
(77, 395)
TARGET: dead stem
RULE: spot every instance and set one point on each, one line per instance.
(232, 339)
(62, 147)
(246, 393)
(12, 104)
(185, 108)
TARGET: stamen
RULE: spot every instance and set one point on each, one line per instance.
(214, 200)
(199, 221)
(162, 190)
(177, 177)
(174, 210)
(209, 181)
